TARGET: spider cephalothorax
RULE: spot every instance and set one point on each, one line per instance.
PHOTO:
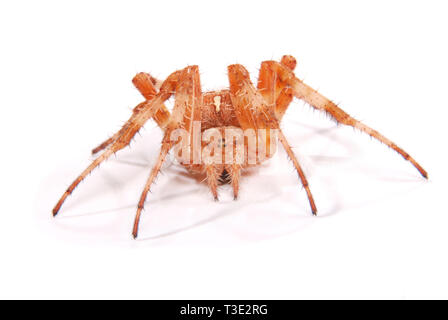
(219, 133)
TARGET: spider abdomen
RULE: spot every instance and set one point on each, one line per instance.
(217, 110)
(226, 146)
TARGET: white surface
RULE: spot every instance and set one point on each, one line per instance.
(65, 72)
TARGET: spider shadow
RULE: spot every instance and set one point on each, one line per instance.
(326, 132)
(188, 227)
(228, 211)
(131, 206)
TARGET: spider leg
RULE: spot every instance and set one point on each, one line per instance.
(299, 170)
(166, 146)
(81, 177)
(212, 180)
(251, 108)
(276, 93)
(319, 102)
(252, 112)
(146, 85)
(234, 171)
(186, 110)
(142, 113)
(106, 143)
(283, 101)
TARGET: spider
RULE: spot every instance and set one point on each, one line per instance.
(241, 107)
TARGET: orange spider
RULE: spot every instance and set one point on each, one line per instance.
(199, 120)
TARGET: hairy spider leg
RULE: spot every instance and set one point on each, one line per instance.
(166, 146)
(275, 90)
(253, 112)
(192, 116)
(146, 85)
(276, 93)
(212, 179)
(142, 113)
(299, 169)
(186, 110)
(234, 172)
(319, 102)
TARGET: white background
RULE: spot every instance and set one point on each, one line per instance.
(65, 85)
